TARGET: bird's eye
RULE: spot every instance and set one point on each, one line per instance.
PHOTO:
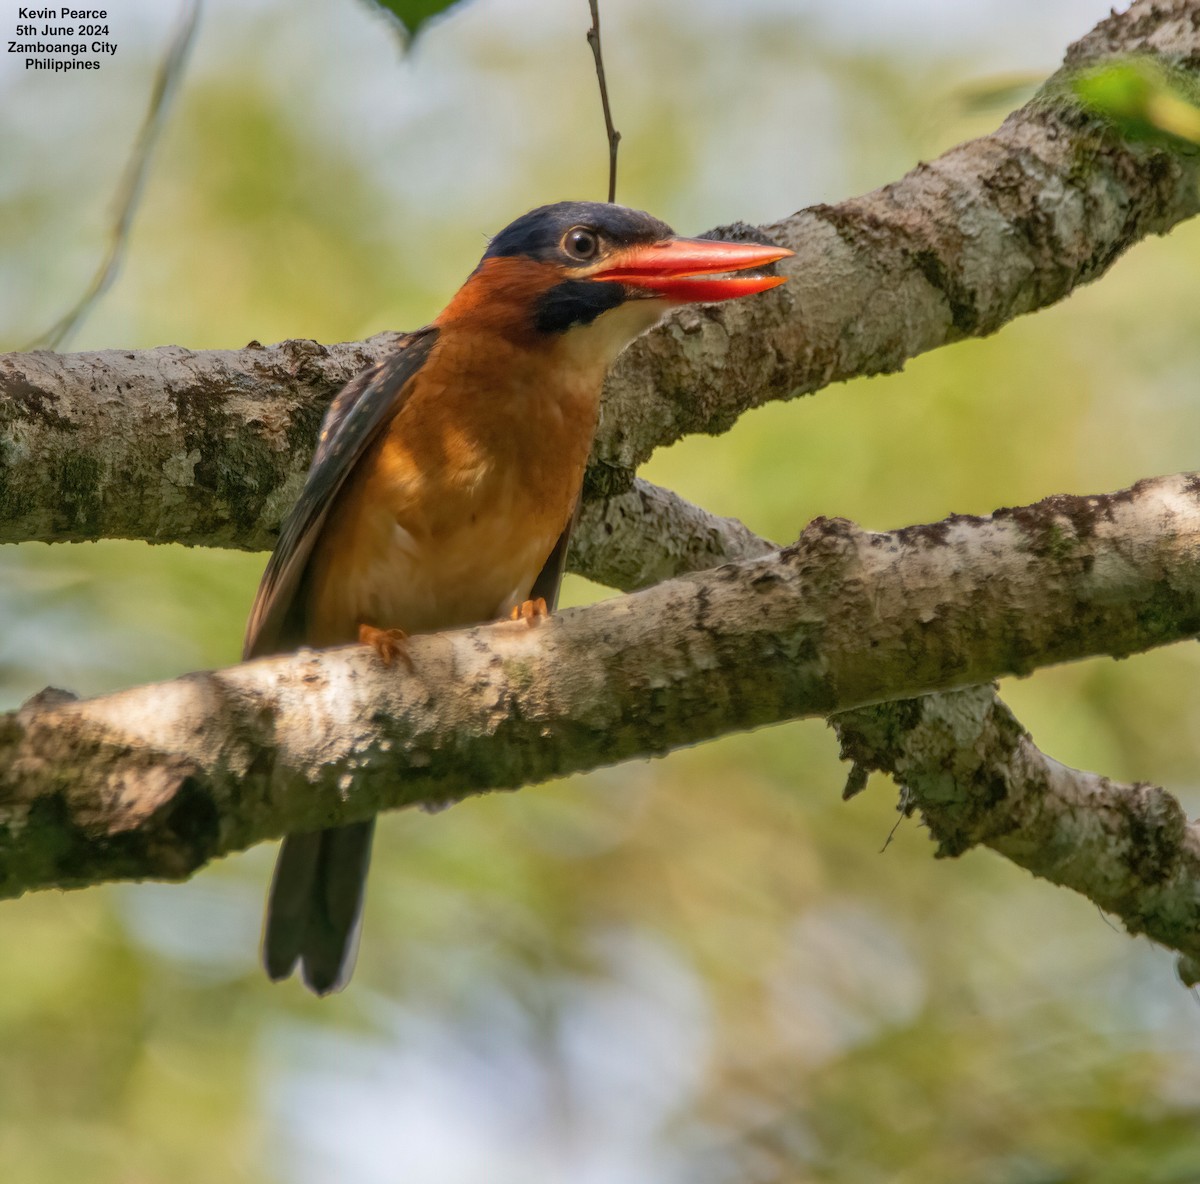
(581, 243)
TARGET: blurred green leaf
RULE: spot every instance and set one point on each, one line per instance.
(1142, 100)
(998, 92)
(412, 14)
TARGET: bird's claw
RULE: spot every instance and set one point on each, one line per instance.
(532, 612)
(389, 644)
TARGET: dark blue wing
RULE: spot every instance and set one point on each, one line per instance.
(359, 412)
(549, 581)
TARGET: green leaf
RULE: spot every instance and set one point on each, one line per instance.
(412, 14)
(1142, 100)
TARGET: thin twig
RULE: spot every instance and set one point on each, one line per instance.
(905, 809)
(614, 136)
(134, 178)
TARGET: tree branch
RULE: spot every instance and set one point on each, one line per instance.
(209, 447)
(963, 758)
(649, 534)
(168, 445)
(977, 777)
(155, 781)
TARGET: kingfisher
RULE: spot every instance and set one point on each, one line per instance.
(447, 478)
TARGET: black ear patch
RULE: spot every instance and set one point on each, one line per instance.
(575, 302)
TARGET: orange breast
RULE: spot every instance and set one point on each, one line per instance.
(448, 519)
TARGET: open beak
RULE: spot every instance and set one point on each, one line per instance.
(691, 270)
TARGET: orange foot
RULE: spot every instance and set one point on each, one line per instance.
(532, 612)
(389, 644)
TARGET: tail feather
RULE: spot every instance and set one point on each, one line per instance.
(315, 907)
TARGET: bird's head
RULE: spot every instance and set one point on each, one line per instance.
(598, 275)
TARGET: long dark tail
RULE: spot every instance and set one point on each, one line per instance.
(315, 906)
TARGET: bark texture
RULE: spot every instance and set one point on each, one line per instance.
(649, 534)
(205, 447)
(155, 781)
(977, 778)
(961, 757)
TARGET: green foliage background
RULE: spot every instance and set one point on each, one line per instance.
(699, 969)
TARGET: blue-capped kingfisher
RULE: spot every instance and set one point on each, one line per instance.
(446, 480)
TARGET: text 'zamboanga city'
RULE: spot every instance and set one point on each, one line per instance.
(65, 38)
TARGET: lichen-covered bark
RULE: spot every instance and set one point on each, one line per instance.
(648, 534)
(204, 447)
(156, 780)
(208, 447)
(994, 228)
(964, 760)
(977, 778)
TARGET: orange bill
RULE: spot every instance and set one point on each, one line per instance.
(695, 269)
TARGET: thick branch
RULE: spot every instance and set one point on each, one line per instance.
(976, 774)
(168, 445)
(157, 780)
(992, 229)
(977, 777)
(209, 447)
(963, 758)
